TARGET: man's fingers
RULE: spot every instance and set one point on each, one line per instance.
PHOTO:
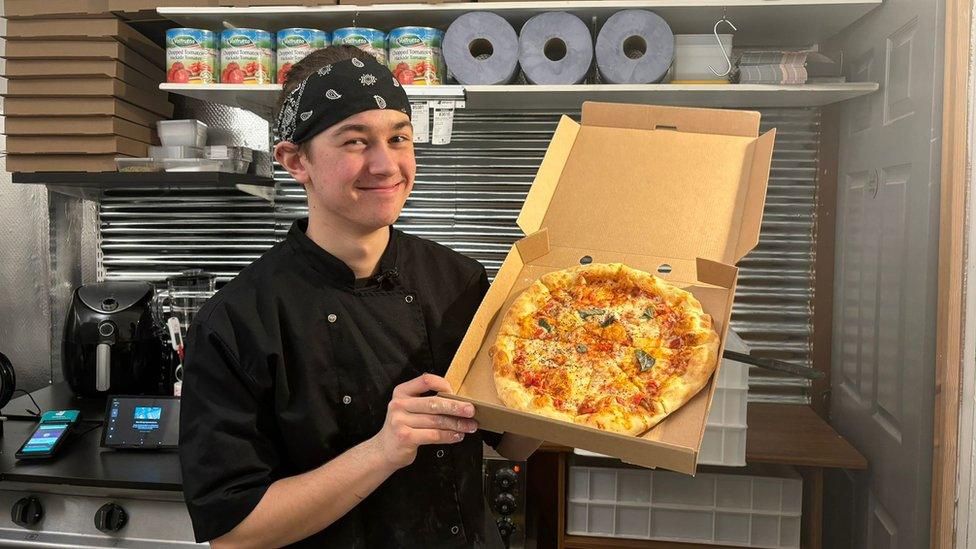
(437, 406)
(421, 437)
(444, 423)
(420, 385)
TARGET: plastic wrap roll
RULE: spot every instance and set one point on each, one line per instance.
(555, 48)
(481, 48)
(634, 47)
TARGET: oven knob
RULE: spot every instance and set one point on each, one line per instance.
(505, 478)
(27, 511)
(505, 527)
(505, 503)
(110, 517)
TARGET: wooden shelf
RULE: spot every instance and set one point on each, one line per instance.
(760, 22)
(261, 99)
(792, 434)
(90, 185)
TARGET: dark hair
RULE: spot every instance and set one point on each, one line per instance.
(313, 62)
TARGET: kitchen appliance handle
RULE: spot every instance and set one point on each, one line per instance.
(103, 366)
(773, 364)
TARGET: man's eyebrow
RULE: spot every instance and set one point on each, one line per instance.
(361, 128)
(352, 128)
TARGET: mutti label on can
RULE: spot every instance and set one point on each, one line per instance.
(246, 56)
(415, 55)
(369, 40)
(294, 45)
(191, 56)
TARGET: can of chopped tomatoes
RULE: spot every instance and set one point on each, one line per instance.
(191, 56)
(294, 44)
(369, 40)
(246, 56)
(415, 55)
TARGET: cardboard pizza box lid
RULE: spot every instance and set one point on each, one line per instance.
(78, 106)
(80, 49)
(130, 6)
(77, 125)
(68, 29)
(44, 83)
(696, 182)
(61, 162)
(145, 75)
(75, 144)
(153, 100)
(46, 8)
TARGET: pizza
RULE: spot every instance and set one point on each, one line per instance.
(603, 345)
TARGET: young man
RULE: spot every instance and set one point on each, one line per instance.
(308, 414)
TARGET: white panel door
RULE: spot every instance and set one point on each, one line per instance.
(886, 267)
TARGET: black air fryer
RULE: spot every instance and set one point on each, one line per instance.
(110, 346)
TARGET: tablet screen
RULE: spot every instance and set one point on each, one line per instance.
(142, 422)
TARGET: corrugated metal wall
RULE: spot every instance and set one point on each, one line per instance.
(467, 196)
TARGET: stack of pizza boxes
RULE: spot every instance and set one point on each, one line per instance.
(80, 87)
(676, 192)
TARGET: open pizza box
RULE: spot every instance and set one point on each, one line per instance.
(677, 192)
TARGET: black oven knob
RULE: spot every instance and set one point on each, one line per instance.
(505, 503)
(27, 511)
(505, 527)
(110, 517)
(505, 478)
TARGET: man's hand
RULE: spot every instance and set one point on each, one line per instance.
(413, 420)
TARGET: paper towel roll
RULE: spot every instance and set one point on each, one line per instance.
(634, 47)
(555, 48)
(481, 48)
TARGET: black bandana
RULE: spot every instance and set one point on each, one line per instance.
(336, 92)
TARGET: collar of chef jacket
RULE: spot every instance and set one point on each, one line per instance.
(331, 266)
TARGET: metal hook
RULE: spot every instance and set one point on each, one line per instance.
(728, 62)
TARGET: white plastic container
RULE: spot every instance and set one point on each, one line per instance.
(225, 152)
(189, 133)
(726, 509)
(205, 165)
(693, 53)
(179, 151)
(129, 164)
(724, 442)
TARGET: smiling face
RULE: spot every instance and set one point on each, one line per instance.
(357, 172)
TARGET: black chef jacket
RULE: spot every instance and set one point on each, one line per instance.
(294, 362)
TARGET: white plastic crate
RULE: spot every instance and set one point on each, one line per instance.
(724, 442)
(727, 509)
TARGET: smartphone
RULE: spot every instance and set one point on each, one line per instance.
(44, 441)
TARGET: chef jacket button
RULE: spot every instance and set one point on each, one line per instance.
(455, 529)
(408, 299)
(440, 453)
(346, 399)
(333, 317)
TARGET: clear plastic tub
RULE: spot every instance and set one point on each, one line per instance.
(225, 152)
(180, 151)
(188, 133)
(694, 53)
(205, 165)
(129, 164)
